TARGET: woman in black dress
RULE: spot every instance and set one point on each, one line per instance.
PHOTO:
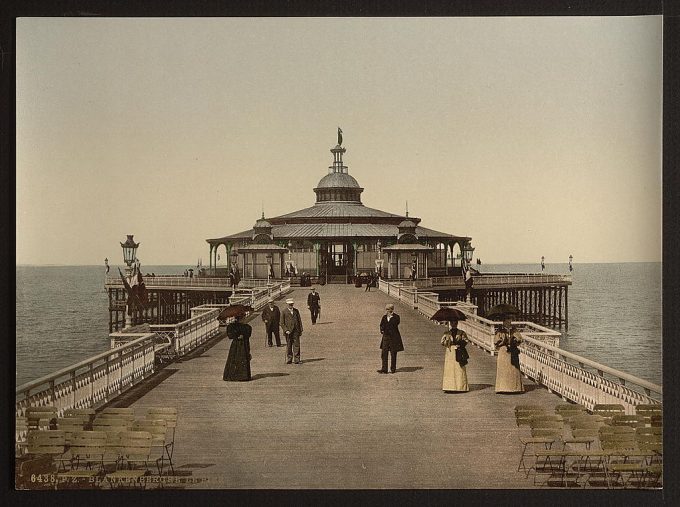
(238, 361)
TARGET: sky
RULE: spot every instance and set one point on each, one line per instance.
(534, 136)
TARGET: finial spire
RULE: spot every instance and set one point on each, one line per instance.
(406, 209)
(262, 205)
(339, 136)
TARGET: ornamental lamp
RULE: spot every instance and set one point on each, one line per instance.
(468, 249)
(129, 250)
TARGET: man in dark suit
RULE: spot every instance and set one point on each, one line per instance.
(271, 318)
(313, 303)
(391, 339)
(291, 323)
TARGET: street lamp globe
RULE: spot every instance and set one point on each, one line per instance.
(468, 249)
(129, 250)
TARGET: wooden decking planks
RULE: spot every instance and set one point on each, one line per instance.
(333, 422)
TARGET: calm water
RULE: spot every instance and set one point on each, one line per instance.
(614, 315)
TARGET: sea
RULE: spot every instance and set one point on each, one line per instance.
(614, 314)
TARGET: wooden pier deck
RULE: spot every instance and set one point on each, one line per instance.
(333, 422)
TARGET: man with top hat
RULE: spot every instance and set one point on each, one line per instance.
(391, 341)
(291, 323)
(271, 317)
(314, 305)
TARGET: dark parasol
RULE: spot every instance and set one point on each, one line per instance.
(234, 311)
(503, 310)
(448, 314)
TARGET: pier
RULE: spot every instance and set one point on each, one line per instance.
(332, 414)
(541, 298)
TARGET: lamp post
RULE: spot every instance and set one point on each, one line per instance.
(542, 262)
(571, 258)
(129, 256)
(468, 250)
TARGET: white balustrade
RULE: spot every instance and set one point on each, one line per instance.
(573, 377)
(93, 381)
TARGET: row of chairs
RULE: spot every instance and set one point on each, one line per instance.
(86, 444)
(637, 437)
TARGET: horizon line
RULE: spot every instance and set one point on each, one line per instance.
(473, 264)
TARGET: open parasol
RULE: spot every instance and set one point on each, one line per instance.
(234, 311)
(503, 310)
(448, 314)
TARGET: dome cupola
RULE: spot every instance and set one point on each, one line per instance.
(338, 185)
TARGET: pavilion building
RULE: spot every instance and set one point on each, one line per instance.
(338, 237)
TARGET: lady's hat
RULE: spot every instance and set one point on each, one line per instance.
(270, 300)
(235, 311)
(503, 311)
(290, 301)
(389, 306)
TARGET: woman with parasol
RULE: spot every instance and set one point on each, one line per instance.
(455, 354)
(238, 361)
(506, 341)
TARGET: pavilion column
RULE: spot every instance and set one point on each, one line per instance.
(398, 264)
(317, 247)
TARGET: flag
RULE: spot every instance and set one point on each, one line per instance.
(141, 293)
(128, 290)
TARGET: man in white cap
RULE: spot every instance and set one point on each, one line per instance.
(291, 323)
(271, 318)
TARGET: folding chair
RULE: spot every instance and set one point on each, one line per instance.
(648, 411)
(169, 414)
(126, 411)
(39, 418)
(546, 429)
(87, 455)
(619, 441)
(158, 430)
(634, 421)
(568, 410)
(49, 444)
(608, 410)
(523, 413)
(135, 450)
(86, 413)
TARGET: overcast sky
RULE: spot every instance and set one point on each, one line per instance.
(534, 136)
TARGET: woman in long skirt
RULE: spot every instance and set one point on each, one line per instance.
(508, 375)
(238, 361)
(455, 359)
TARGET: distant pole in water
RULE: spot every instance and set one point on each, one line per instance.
(571, 258)
(542, 262)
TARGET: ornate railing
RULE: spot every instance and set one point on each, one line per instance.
(573, 377)
(93, 381)
(196, 282)
(174, 281)
(257, 296)
(500, 279)
(584, 381)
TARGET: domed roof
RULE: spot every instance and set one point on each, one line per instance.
(335, 180)
(262, 223)
(406, 223)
